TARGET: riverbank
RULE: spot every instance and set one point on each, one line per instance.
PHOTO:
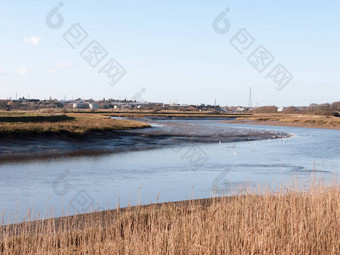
(162, 133)
(289, 221)
(272, 119)
(26, 124)
(292, 120)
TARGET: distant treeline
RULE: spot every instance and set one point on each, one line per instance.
(315, 109)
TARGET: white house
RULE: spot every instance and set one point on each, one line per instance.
(93, 106)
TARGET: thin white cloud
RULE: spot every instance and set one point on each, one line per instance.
(51, 71)
(22, 71)
(63, 64)
(3, 71)
(34, 40)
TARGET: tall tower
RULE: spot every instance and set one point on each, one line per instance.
(250, 102)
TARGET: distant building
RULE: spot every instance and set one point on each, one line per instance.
(93, 106)
(79, 106)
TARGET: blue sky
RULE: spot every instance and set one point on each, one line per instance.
(170, 49)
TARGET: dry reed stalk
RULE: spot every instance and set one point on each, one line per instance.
(287, 222)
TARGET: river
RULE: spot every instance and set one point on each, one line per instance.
(191, 169)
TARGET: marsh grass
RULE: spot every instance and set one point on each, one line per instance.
(292, 221)
(27, 119)
(70, 124)
(301, 119)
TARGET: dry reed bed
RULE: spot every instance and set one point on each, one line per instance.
(285, 222)
(300, 119)
(79, 124)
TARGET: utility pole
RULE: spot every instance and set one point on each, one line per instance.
(250, 102)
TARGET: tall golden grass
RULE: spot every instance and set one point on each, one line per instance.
(302, 120)
(78, 124)
(286, 222)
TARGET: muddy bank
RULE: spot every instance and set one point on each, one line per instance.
(162, 133)
(278, 123)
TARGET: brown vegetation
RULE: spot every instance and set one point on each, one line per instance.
(25, 123)
(295, 120)
(265, 109)
(314, 109)
(287, 222)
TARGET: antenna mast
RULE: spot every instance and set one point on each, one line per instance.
(250, 102)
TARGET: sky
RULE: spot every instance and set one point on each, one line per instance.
(172, 51)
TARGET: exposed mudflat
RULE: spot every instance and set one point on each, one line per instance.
(164, 132)
(286, 124)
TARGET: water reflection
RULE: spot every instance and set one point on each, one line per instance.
(95, 182)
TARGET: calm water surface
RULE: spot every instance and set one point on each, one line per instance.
(188, 171)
